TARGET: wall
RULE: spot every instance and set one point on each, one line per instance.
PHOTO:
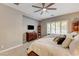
(70, 17)
(11, 28)
(28, 21)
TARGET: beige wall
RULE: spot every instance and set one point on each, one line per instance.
(69, 17)
(11, 28)
(27, 21)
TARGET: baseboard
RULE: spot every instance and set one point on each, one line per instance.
(10, 48)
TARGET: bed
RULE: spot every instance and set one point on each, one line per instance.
(46, 47)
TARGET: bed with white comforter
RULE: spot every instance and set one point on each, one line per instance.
(46, 47)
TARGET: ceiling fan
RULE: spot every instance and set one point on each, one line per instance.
(44, 8)
(16, 3)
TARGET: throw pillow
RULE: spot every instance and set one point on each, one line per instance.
(67, 41)
(61, 39)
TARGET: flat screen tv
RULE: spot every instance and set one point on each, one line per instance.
(30, 27)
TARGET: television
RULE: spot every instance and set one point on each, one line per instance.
(30, 27)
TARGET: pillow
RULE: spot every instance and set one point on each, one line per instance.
(61, 39)
(67, 41)
(56, 39)
(74, 34)
(76, 37)
(74, 47)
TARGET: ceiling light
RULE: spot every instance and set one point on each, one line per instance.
(44, 9)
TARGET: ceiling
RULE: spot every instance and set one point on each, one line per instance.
(62, 8)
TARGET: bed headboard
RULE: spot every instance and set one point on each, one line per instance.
(75, 26)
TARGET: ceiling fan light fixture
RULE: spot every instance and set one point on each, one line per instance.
(44, 9)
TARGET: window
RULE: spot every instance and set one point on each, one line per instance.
(59, 27)
(52, 27)
(64, 27)
(48, 28)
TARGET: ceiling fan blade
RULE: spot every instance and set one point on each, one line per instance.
(41, 12)
(43, 4)
(50, 5)
(16, 3)
(36, 6)
(37, 10)
(51, 8)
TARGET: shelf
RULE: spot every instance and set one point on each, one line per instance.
(39, 31)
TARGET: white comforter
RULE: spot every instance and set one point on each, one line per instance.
(46, 47)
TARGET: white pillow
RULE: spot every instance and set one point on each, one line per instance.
(76, 37)
(67, 41)
(74, 33)
(56, 39)
(74, 47)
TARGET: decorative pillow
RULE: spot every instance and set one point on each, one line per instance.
(56, 39)
(74, 47)
(76, 37)
(67, 41)
(74, 34)
(61, 39)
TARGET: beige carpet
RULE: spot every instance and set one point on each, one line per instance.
(20, 51)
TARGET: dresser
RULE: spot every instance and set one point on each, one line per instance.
(31, 36)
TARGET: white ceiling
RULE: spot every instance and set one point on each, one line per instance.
(62, 8)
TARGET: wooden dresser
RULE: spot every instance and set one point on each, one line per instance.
(31, 36)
